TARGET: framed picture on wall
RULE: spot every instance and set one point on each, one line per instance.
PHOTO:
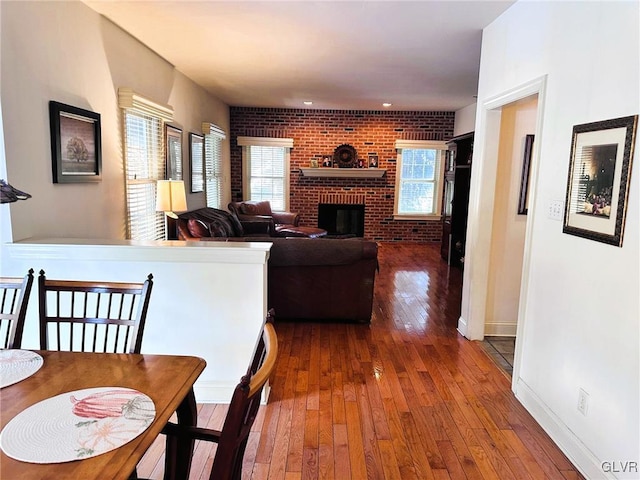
(599, 174)
(173, 148)
(76, 155)
(196, 157)
(523, 202)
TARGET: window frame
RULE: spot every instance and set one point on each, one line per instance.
(213, 162)
(138, 106)
(285, 143)
(441, 148)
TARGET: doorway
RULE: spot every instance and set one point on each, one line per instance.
(483, 289)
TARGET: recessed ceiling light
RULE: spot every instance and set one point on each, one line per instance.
(308, 103)
(386, 104)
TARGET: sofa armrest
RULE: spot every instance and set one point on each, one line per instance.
(286, 218)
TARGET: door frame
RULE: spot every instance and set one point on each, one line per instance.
(481, 202)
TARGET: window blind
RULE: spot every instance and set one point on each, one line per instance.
(143, 128)
(213, 137)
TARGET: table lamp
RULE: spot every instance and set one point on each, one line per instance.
(170, 197)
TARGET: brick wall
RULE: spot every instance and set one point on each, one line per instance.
(317, 133)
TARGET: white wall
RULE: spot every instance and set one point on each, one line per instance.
(508, 233)
(580, 325)
(65, 51)
(465, 120)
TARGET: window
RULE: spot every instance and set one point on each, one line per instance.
(143, 127)
(213, 137)
(418, 179)
(266, 170)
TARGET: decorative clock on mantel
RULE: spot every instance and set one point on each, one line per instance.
(345, 156)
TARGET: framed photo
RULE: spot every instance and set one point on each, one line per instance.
(599, 174)
(76, 154)
(196, 157)
(174, 152)
(373, 161)
(313, 163)
(327, 161)
(523, 202)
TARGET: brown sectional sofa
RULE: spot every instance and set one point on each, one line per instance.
(308, 278)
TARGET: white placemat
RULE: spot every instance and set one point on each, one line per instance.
(77, 425)
(16, 365)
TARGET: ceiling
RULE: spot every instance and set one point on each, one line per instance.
(351, 55)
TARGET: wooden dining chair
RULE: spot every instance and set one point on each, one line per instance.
(14, 297)
(92, 316)
(232, 439)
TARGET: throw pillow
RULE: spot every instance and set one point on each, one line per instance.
(256, 208)
(197, 228)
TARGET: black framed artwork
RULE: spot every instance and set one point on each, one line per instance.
(76, 155)
(599, 177)
(523, 201)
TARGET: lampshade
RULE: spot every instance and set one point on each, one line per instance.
(171, 196)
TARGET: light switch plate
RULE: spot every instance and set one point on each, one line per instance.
(555, 210)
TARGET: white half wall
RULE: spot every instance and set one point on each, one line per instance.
(208, 298)
(580, 325)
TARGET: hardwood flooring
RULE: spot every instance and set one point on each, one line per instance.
(405, 398)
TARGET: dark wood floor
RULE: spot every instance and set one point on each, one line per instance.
(403, 398)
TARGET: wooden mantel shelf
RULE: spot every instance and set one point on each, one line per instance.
(344, 172)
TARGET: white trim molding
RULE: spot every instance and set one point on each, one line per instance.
(212, 129)
(127, 98)
(264, 142)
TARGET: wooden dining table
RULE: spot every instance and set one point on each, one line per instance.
(167, 379)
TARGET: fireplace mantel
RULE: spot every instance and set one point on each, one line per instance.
(344, 172)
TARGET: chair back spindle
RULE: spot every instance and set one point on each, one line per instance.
(92, 316)
(14, 299)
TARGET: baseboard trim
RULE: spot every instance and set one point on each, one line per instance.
(214, 392)
(462, 326)
(577, 452)
(500, 329)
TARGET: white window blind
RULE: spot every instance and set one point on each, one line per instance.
(266, 170)
(213, 137)
(419, 178)
(143, 124)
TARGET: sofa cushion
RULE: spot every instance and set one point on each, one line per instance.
(197, 228)
(255, 208)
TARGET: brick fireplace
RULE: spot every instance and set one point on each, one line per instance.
(342, 214)
(317, 133)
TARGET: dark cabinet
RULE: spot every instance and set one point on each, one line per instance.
(455, 198)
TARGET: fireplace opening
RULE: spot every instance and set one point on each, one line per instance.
(341, 219)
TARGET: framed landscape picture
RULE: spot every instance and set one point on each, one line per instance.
(76, 155)
(599, 174)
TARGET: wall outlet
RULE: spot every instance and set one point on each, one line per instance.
(555, 210)
(583, 402)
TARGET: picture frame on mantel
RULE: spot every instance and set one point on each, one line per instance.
(76, 148)
(196, 160)
(599, 178)
(173, 148)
